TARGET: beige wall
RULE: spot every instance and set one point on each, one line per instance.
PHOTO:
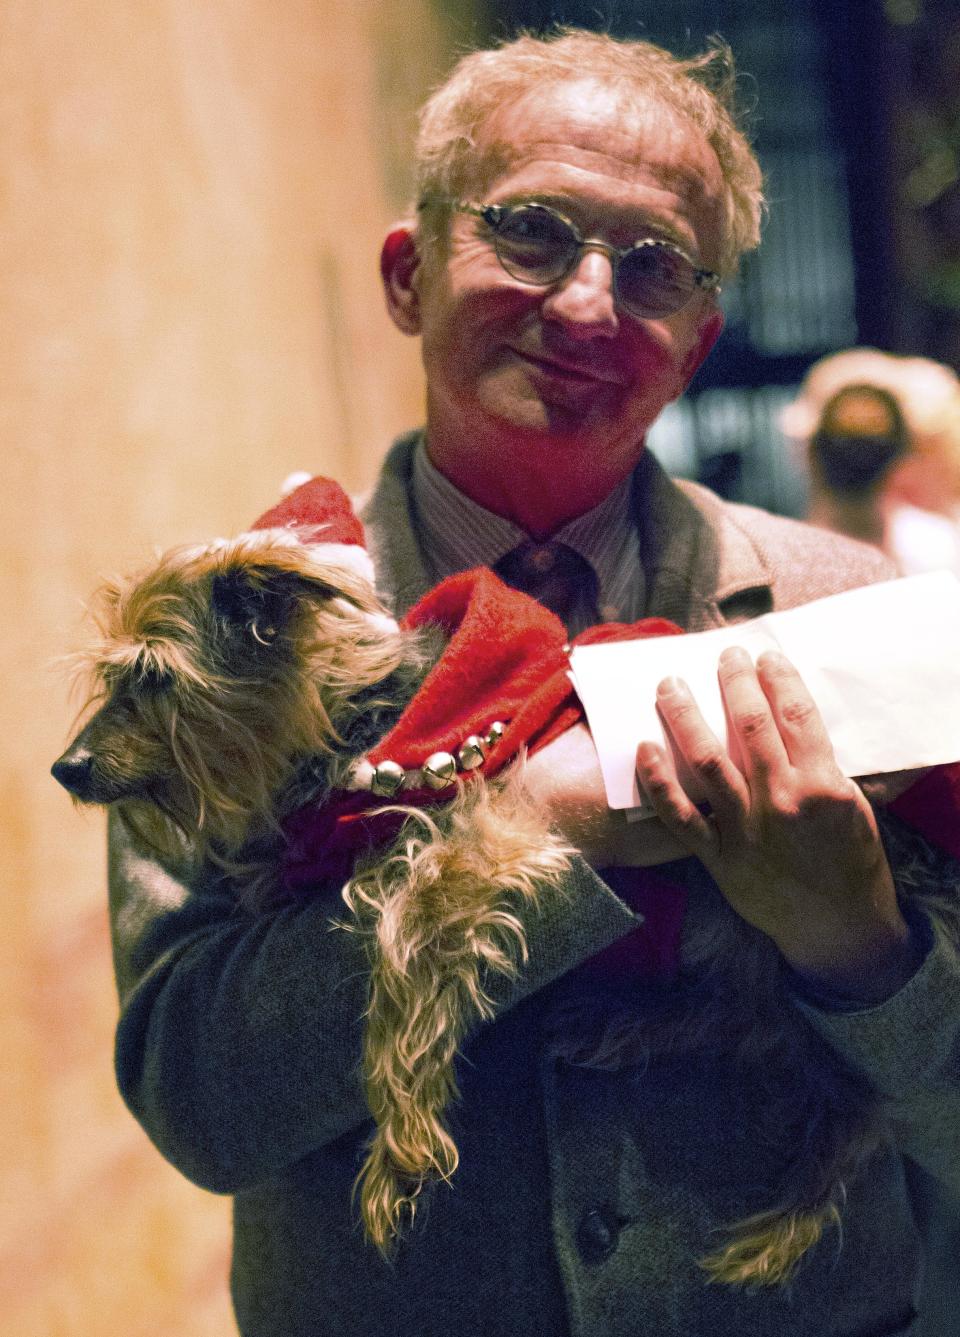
(192, 194)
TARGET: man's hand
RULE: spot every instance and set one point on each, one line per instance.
(565, 777)
(791, 842)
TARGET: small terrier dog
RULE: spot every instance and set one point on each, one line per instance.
(237, 682)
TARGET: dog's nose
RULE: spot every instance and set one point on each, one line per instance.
(74, 770)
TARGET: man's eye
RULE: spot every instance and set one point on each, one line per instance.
(528, 223)
(535, 226)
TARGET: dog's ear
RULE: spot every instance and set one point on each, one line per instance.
(259, 600)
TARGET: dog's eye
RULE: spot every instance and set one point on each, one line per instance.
(263, 632)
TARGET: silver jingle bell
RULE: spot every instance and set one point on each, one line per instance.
(471, 753)
(439, 770)
(495, 733)
(388, 778)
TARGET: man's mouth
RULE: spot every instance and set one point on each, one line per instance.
(574, 372)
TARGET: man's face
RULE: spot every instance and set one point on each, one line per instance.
(535, 380)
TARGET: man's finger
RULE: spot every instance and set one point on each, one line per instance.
(713, 774)
(756, 744)
(657, 778)
(797, 716)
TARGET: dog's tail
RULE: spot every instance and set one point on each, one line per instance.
(440, 914)
(766, 1249)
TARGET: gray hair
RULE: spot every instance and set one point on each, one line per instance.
(701, 89)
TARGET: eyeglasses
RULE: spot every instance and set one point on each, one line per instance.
(539, 246)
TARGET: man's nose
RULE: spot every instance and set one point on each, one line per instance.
(583, 302)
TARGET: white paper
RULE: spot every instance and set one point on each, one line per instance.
(882, 664)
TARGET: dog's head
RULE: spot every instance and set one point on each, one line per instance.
(216, 673)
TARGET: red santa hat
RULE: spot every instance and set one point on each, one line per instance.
(321, 515)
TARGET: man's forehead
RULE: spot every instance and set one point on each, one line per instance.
(585, 103)
(618, 131)
(588, 138)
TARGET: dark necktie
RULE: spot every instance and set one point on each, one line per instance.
(557, 577)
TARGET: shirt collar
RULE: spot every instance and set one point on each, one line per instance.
(457, 534)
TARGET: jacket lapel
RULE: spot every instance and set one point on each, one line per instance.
(702, 570)
(386, 514)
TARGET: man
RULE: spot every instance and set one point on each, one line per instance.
(579, 199)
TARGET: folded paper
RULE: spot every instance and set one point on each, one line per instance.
(882, 664)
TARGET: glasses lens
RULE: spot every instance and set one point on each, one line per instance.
(655, 280)
(534, 245)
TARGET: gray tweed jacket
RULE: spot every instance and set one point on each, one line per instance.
(584, 1197)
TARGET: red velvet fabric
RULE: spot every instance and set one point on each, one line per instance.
(932, 806)
(506, 660)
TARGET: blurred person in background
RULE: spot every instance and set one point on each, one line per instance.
(882, 439)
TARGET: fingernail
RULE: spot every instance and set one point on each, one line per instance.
(735, 657)
(671, 687)
(772, 659)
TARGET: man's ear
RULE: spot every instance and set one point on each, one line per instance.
(707, 336)
(399, 269)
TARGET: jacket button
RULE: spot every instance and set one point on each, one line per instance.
(597, 1234)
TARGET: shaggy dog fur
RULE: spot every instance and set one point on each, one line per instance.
(233, 684)
(237, 682)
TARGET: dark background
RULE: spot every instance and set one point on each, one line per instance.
(855, 115)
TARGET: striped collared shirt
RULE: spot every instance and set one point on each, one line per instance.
(456, 534)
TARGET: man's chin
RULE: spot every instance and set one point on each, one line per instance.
(547, 421)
